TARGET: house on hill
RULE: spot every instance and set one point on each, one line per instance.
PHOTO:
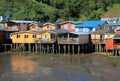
(91, 26)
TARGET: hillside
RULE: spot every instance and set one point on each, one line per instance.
(58, 10)
(113, 11)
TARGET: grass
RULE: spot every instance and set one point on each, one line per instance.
(116, 61)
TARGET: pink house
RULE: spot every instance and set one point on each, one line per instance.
(69, 25)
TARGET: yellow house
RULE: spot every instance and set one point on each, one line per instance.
(25, 36)
(51, 36)
(49, 26)
(47, 37)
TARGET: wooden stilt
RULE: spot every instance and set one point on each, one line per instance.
(73, 48)
(59, 48)
(36, 47)
(29, 48)
(53, 49)
(64, 48)
(68, 48)
(47, 48)
(78, 49)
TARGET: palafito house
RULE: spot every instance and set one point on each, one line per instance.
(50, 36)
(91, 26)
(98, 36)
(69, 25)
(25, 36)
(17, 25)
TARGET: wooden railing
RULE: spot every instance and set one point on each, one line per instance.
(68, 41)
(44, 41)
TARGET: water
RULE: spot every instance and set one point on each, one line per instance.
(15, 67)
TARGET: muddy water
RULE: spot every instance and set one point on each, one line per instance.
(90, 67)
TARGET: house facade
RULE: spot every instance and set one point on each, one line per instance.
(90, 26)
(25, 36)
(49, 26)
(69, 25)
(17, 25)
(33, 26)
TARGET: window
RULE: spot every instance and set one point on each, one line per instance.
(73, 26)
(52, 36)
(34, 36)
(25, 36)
(18, 36)
(117, 41)
(65, 26)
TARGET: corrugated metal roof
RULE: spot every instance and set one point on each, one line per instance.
(110, 31)
(117, 36)
(79, 33)
(68, 22)
(59, 31)
(114, 24)
(32, 31)
(22, 21)
(35, 31)
(99, 32)
(91, 24)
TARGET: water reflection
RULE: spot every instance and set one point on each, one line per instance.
(22, 64)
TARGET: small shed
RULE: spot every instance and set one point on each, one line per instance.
(73, 38)
(25, 36)
(68, 25)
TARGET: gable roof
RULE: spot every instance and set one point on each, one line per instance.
(91, 24)
(29, 31)
(48, 24)
(21, 21)
(68, 22)
(59, 31)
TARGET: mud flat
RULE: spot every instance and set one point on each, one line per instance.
(59, 67)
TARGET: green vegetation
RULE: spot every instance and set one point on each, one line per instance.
(58, 10)
(116, 61)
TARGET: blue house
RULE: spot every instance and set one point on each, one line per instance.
(90, 26)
